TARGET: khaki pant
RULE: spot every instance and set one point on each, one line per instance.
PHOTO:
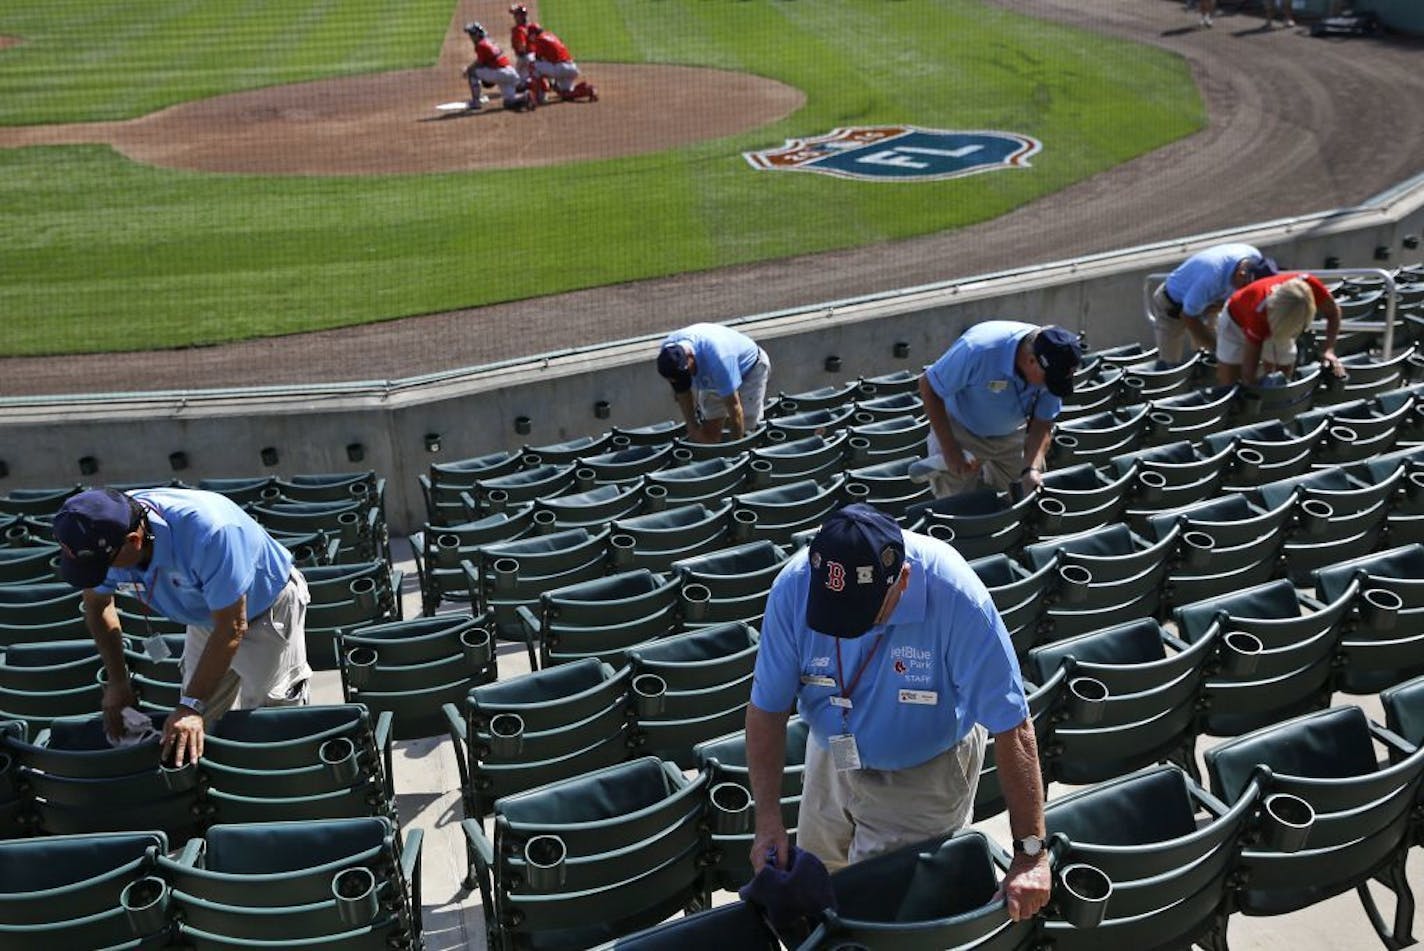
(270, 668)
(1000, 461)
(852, 815)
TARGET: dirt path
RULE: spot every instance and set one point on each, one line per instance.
(1297, 125)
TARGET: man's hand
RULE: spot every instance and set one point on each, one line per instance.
(958, 463)
(1031, 480)
(1027, 885)
(1333, 364)
(769, 842)
(117, 695)
(182, 737)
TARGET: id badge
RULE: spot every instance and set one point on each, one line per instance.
(156, 648)
(845, 755)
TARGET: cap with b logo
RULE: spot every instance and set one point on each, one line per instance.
(855, 558)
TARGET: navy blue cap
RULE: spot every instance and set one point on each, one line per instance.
(1059, 352)
(855, 558)
(90, 528)
(672, 366)
(1263, 267)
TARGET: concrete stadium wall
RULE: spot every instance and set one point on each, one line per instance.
(1405, 16)
(223, 432)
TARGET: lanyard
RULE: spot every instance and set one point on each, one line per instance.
(848, 688)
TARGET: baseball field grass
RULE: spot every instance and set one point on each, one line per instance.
(99, 253)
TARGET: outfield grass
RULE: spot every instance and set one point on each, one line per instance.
(98, 253)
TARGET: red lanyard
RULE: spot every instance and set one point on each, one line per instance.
(848, 688)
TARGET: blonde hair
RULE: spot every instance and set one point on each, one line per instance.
(1290, 307)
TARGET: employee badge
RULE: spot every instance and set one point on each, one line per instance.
(998, 386)
(845, 755)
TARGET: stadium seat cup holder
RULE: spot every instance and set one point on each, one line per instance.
(363, 592)
(1379, 609)
(360, 663)
(1196, 550)
(1285, 823)
(546, 522)
(731, 809)
(1074, 583)
(682, 455)
(269, 493)
(1315, 516)
(17, 535)
(496, 501)
(178, 779)
(1051, 512)
(856, 492)
(354, 889)
(1160, 423)
(621, 548)
(1248, 463)
(1152, 486)
(759, 473)
(145, 905)
(506, 574)
(859, 448)
(1339, 437)
(1082, 895)
(446, 553)
(941, 531)
(649, 696)
(1087, 700)
(544, 862)
(696, 598)
(338, 758)
(1240, 653)
(477, 644)
(655, 498)
(584, 479)
(1414, 487)
(506, 735)
(743, 522)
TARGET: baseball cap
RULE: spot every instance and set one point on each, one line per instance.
(854, 559)
(1059, 352)
(90, 528)
(672, 365)
(1263, 267)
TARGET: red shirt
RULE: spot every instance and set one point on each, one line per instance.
(549, 47)
(1248, 305)
(489, 56)
(519, 38)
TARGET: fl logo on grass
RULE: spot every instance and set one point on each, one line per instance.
(898, 153)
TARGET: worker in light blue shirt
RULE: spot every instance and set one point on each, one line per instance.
(890, 647)
(197, 558)
(718, 378)
(991, 401)
(1187, 302)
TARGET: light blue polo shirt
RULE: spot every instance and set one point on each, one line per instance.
(980, 389)
(723, 356)
(945, 645)
(207, 553)
(1205, 278)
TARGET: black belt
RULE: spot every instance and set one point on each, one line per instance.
(1176, 305)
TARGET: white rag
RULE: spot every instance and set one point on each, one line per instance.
(138, 728)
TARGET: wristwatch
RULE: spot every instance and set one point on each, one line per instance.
(1029, 845)
(200, 708)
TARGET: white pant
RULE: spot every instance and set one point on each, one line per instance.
(563, 74)
(270, 667)
(1231, 343)
(850, 815)
(752, 393)
(504, 77)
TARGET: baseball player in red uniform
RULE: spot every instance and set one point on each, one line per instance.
(491, 68)
(552, 61)
(519, 41)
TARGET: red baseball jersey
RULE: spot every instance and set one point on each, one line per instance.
(519, 38)
(1248, 305)
(489, 55)
(549, 47)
